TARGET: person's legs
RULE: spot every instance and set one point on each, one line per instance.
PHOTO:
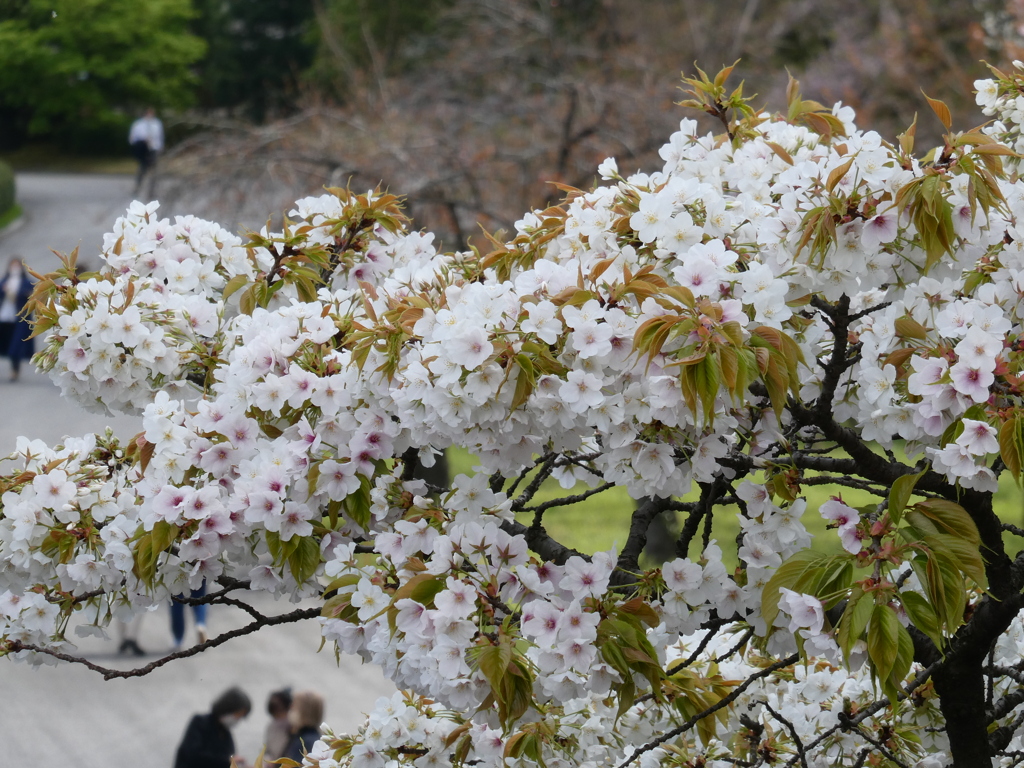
(6, 342)
(129, 635)
(178, 622)
(199, 612)
(141, 153)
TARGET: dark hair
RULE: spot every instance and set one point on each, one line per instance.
(231, 701)
(279, 702)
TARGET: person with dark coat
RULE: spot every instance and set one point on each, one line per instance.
(15, 290)
(306, 715)
(207, 742)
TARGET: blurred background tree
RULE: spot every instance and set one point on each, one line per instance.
(76, 71)
(258, 52)
(469, 107)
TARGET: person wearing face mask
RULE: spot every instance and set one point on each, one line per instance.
(15, 289)
(207, 742)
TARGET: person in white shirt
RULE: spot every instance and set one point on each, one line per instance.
(146, 138)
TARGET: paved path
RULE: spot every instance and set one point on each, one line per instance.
(68, 715)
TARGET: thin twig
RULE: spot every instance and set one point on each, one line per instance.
(722, 703)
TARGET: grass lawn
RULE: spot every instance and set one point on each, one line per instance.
(602, 521)
(41, 157)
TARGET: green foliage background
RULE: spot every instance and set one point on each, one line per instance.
(6, 188)
(77, 71)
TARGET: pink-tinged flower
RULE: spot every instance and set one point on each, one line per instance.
(577, 624)
(53, 490)
(847, 519)
(37, 614)
(978, 348)
(978, 438)
(840, 513)
(369, 599)
(699, 275)
(540, 620)
(876, 384)
(264, 578)
(804, 611)
(337, 479)
(972, 381)
(542, 321)
(458, 601)
(592, 339)
(581, 391)
(412, 617)
(583, 579)
(653, 218)
(756, 496)
(878, 230)
(682, 575)
(470, 348)
(168, 504)
(928, 372)
(294, 521)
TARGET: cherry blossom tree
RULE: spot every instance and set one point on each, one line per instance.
(794, 302)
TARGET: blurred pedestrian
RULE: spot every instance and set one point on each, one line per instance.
(207, 742)
(279, 730)
(146, 138)
(178, 616)
(15, 290)
(306, 716)
(128, 634)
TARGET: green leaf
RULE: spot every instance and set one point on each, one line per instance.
(357, 504)
(492, 661)
(414, 588)
(892, 685)
(883, 640)
(525, 381)
(707, 381)
(1010, 447)
(248, 301)
(854, 620)
(304, 559)
(900, 494)
(163, 535)
(966, 557)
(233, 285)
(922, 615)
(951, 517)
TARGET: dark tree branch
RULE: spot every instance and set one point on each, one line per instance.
(629, 558)
(109, 674)
(540, 542)
(792, 733)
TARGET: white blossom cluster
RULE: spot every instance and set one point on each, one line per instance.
(645, 335)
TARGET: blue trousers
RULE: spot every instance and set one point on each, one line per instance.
(178, 614)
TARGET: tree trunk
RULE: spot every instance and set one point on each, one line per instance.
(961, 689)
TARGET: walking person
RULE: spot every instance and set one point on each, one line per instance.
(207, 742)
(306, 716)
(15, 290)
(279, 730)
(146, 137)
(178, 617)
